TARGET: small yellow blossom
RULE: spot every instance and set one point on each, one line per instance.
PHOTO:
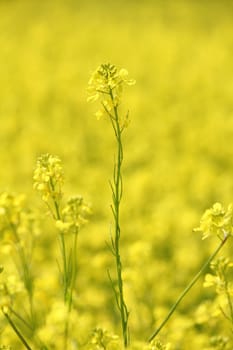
(219, 342)
(11, 206)
(99, 114)
(102, 339)
(157, 345)
(74, 215)
(107, 82)
(219, 278)
(48, 177)
(63, 226)
(216, 221)
(211, 280)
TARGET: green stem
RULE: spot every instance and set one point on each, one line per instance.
(20, 336)
(187, 289)
(65, 277)
(117, 194)
(26, 275)
(67, 282)
(63, 245)
(229, 303)
(72, 285)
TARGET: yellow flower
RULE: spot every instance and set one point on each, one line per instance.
(219, 279)
(62, 226)
(102, 339)
(216, 221)
(211, 280)
(107, 81)
(123, 74)
(48, 177)
(11, 206)
(74, 215)
(157, 345)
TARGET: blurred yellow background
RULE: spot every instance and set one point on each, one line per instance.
(178, 156)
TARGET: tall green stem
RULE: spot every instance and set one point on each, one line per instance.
(187, 289)
(65, 277)
(117, 195)
(72, 285)
(57, 216)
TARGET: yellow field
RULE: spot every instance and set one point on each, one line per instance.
(178, 160)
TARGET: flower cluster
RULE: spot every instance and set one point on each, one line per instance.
(219, 342)
(157, 345)
(51, 332)
(219, 278)
(216, 221)
(17, 222)
(107, 81)
(10, 286)
(102, 339)
(74, 215)
(48, 177)
(11, 206)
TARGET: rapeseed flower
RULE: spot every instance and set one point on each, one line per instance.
(48, 177)
(107, 82)
(157, 345)
(219, 277)
(102, 339)
(106, 79)
(11, 206)
(219, 342)
(74, 215)
(216, 221)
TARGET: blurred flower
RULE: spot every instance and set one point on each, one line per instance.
(10, 286)
(211, 280)
(157, 345)
(74, 215)
(101, 339)
(18, 224)
(11, 206)
(52, 331)
(48, 177)
(216, 221)
(219, 279)
(219, 342)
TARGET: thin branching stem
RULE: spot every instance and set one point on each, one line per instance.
(117, 189)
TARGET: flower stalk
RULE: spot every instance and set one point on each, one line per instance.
(16, 330)
(189, 286)
(117, 191)
(216, 221)
(48, 181)
(107, 83)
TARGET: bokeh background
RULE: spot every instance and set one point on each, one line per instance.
(178, 157)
